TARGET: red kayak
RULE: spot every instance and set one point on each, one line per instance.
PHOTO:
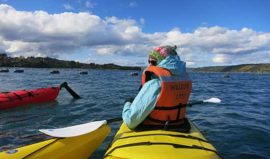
(22, 97)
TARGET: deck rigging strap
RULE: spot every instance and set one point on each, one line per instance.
(161, 143)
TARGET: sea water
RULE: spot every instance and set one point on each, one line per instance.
(239, 127)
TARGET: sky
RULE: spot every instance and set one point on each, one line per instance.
(206, 32)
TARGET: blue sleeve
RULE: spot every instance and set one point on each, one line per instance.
(134, 113)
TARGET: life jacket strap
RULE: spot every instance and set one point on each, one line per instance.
(165, 122)
(184, 127)
(179, 106)
(18, 96)
(29, 93)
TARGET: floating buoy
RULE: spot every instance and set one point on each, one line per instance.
(54, 72)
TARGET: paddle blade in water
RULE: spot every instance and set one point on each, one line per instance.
(212, 100)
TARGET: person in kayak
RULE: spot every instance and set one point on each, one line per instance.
(161, 101)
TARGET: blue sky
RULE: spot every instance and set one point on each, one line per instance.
(209, 32)
(186, 14)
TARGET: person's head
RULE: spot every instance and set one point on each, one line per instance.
(160, 53)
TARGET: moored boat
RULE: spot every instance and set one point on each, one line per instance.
(4, 70)
(19, 71)
(55, 72)
(83, 72)
(134, 74)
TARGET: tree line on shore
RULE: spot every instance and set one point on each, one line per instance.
(47, 62)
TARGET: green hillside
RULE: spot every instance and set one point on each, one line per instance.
(256, 68)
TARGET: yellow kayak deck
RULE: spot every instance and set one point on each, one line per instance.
(160, 144)
(80, 147)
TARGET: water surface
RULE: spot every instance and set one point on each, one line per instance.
(239, 127)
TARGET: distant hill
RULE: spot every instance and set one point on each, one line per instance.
(256, 68)
(47, 62)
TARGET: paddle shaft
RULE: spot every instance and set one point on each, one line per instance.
(73, 93)
(113, 120)
(195, 103)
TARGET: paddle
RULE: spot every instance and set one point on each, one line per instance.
(210, 100)
(81, 129)
(70, 91)
(78, 130)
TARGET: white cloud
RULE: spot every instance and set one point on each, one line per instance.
(106, 51)
(224, 45)
(68, 6)
(133, 4)
(39, 33)
(220, 58)
(142, 21)
(89, 4)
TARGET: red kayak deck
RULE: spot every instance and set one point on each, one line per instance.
(22, 97)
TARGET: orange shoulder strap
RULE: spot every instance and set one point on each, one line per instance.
(159, 71)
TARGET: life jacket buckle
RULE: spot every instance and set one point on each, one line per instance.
(166, 125)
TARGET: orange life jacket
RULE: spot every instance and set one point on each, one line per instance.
(170, 108)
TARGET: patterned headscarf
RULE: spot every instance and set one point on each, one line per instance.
(162, 52)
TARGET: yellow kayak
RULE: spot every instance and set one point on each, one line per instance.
(80, 141)
(74, 147)
(160, 144)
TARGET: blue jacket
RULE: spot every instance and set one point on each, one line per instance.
(134, 113)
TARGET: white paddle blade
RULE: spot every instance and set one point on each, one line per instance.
(212, 100)
(75, 130)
